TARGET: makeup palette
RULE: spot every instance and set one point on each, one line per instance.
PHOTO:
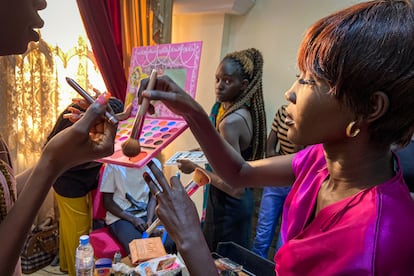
(180, 62)
(197, 157)
(156, 134)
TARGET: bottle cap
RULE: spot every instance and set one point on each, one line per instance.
(84, 239)
(117, 257)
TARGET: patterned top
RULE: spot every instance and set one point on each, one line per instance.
(279, 126)
(8, 187)
(7, 181)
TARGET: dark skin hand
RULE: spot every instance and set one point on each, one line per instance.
(178, 100)
(139, 223)
(175, 209)
(91, 138)
(179, 215)
(233, 169)
(187, 167)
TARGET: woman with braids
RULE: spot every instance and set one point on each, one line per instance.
(239, 117)
(349, 211)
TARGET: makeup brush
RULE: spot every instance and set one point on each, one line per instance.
(131, 147)
(111, 118)
(200, 178)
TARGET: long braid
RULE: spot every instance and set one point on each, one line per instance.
(250, 62)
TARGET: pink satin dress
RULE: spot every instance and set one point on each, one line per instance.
(369, 233)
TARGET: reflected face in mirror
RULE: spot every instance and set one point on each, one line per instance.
(229, 82)
(18, 21)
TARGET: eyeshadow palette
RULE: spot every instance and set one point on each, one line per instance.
(197, 157)
(179, 61)
(156, 134)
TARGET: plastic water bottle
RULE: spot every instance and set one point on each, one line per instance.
(117, 257)
(84, 257)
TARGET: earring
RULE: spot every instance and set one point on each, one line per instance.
(349, 131)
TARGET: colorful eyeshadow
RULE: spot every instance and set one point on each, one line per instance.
(174, 129)
(155, 134)
(123, 131)
(123, 138)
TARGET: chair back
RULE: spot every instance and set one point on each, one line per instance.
(104, 244)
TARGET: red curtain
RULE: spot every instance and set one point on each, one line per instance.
(114, 11)
(100, 19)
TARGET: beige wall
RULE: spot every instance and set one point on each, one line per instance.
(276, 28)
(273, 26)
(207, 28)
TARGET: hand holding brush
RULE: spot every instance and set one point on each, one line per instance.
(131, 147)
(199, 178)
(111, 117)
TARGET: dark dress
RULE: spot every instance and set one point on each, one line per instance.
(80, 180)
(228, 218)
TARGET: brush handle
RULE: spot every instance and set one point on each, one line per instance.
(190, 188)
(153, 225)
(111, 118)
(139, 119)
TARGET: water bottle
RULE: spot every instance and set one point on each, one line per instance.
(84, 257)
(117, 257)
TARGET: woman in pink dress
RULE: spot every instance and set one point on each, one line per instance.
(349, 211)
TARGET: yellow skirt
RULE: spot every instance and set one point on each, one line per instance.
(75, 220)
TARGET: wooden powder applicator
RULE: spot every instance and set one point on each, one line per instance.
(131, 147)
(200, 178)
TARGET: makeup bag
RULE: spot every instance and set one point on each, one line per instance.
(40, 248)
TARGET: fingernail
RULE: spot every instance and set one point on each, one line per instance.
(146, 177)
(103, 98)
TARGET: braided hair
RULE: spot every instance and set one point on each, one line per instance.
(250, 64)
